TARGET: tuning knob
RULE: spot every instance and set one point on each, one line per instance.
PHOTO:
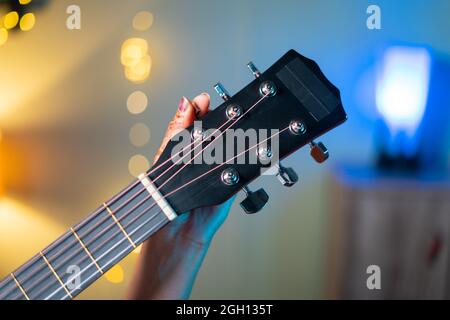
(221, 91)
(318, 151)
(254, 70)
(254, 201)
(287, 176)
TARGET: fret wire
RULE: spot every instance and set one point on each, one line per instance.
(214, 168)
(34, 259)
(140, 239)
(87, 250)
(158, 213)
(20, 286)
(111, 213)
(87, 244)
(55, 274)
(53, 246)
(155, 170)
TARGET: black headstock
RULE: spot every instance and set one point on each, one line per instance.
(292, 96)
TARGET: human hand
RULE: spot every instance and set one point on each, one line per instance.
(171, 258)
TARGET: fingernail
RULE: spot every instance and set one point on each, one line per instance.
(205, 94)
(183, 104)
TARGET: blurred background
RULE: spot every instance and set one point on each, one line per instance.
(81, 111)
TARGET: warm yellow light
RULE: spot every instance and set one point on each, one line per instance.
(18, 220)
(27, 22)
(115, 274)
(3, 36)
(139, 72)
(138, 164)
(24, 1)
(137, 102)
(133, 51)
(11, 19)
(143, 20)
(138, 249)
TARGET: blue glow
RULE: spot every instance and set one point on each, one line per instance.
(402, 88)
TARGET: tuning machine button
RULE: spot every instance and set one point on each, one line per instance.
(230, 176)
(287, 176)
(297, 127)
(268, 88)
(198, 134)
(254, 200)
(221, 91)
(318, 151)
(233, 111)
(254, 70)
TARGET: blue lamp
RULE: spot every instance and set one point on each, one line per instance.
(401, 98)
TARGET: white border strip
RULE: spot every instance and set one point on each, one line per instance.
(157, 196)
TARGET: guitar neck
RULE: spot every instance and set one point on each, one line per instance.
(87, 250)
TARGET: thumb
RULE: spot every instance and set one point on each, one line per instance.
(183, 118)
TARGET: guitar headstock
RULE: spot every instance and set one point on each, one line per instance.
(281, 110)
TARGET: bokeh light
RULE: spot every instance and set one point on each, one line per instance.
(138, 164)
(402, 87)
(142, 21)
(10, 20)
(139, 134)
(23, 2)
(133, 51)
(27, 22)
(137, 102)
(139, 72)
(3, 36)
(134, 57)
(115, 274)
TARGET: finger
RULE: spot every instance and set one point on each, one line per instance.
(184, 117)
(201, 104)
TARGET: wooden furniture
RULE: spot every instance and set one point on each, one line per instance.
(400, 223)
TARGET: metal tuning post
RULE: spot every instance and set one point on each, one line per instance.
(318, 151)
(287, 176)
(254, 70)
(254, 201)
(221, 91)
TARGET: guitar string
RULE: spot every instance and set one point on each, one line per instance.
(145, 222)
(170, 193)
(139, 192)
(120, 195)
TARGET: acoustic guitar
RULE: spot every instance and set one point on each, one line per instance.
(288, 106)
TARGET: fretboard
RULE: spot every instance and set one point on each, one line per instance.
(87, 250)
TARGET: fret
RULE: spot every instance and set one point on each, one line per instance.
(9, 290)
(100, 235)
(71, 263)
(113, 216)
(86, 250)
(20, 286)
(37, 280)
(63, 285)
(143, 216)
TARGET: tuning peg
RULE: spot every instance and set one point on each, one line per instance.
(287, 176)
(318, 151)
(221, 91)
(254, 70)
(254, 201)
